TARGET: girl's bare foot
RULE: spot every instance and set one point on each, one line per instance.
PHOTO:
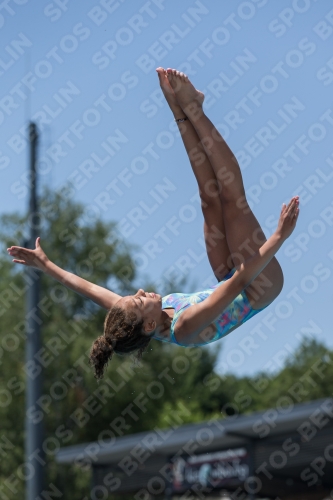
(186, 94)
(167, 90)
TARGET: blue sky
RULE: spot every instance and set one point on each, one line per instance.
(86, 72)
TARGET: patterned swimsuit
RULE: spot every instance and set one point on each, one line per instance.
(239, 311)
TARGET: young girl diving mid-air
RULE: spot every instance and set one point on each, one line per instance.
(249, 276)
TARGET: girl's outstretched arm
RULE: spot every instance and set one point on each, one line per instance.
(37, 258)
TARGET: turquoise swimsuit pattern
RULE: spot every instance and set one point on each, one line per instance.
(239, 311)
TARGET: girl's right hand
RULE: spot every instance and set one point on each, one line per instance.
(32, 258)
(288, 218)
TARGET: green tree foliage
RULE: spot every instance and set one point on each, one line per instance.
(306, 375)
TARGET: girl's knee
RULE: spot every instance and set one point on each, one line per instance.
(235, 201)
(210, 194)
(211, 205)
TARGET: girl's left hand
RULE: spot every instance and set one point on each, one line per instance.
(33, 258)
(288, 218)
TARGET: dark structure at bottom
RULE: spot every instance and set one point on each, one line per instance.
(284, 453)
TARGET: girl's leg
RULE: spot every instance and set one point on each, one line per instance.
(214, 231)
(243, 232)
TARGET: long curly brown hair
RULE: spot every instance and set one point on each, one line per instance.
(122, 335)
